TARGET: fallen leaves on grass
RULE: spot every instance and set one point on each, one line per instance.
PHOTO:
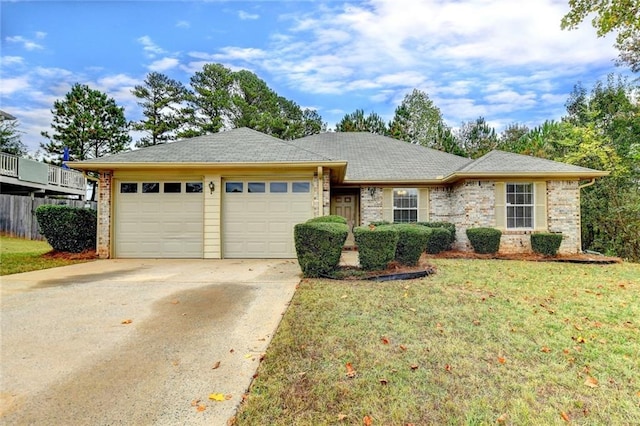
(592, 382)
(367, 421)
(385, 340)
(545, 349)
(501, 360)
(447, 367)
(565, 417)
(502, 418)
(351, 372)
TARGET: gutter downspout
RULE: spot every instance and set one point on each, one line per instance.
(591, 182)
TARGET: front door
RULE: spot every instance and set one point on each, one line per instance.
(346, 205)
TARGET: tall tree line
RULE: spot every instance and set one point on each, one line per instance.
(218, 99)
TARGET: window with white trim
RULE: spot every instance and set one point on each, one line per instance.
(405, 205)
(520, 205)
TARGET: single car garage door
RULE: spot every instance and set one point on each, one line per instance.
(159, 219)
(258, 216)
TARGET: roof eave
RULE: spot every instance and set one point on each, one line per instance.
(454, 177)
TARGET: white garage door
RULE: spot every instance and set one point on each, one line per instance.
(258, 217)
(159, 219)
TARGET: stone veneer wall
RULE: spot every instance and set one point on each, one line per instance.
(324, 208)
(104, 215)
(370, 205)
(472, 204)
(326, 192)
(563, 208)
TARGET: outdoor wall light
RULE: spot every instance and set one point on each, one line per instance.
(372, 191)
(212, 187)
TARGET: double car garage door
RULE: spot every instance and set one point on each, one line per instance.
(166, 219)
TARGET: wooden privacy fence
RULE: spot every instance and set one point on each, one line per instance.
(18, 214)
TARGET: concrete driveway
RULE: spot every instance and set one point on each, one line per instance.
(69, 354)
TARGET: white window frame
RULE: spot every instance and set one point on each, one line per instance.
(512, 207)
(405, 192)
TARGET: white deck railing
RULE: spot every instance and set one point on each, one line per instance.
(58, 176)
(8, 165)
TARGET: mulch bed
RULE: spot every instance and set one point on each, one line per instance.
(85, 255)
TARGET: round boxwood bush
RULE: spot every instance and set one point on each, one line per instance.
(68, 229)
(484, 240)
(446, 225)
(376, 246)
(319, 246)
(546, 243)
(412, 242)
(439, 240)
(334, 218)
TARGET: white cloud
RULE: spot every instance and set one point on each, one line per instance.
(13, 85)
(247, 16)
(183, 24)
(40, 34)
(150, 48)
(117, 80)
(26, 43)
(12, 60)
(163, 64)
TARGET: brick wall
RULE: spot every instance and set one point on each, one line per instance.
(563, 207)
(472, 204)
(370, 205)
(104, 215)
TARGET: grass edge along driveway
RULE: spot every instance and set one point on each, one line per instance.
(480, 342)
(20, 255)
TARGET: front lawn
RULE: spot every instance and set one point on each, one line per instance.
(479, 342)
(19, 255)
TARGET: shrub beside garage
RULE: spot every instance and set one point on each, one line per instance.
(68, 229)
(319, 245)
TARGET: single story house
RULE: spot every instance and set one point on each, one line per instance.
(238, 194)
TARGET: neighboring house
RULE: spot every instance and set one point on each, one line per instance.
(238, 194)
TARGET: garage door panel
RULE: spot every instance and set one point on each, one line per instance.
(261, 224)
(159, 225)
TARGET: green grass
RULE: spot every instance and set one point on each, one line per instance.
(480, 342)
(18, 255)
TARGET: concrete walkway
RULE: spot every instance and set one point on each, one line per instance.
(69, 354)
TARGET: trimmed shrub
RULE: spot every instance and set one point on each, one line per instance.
(376, 246)
(412, 241)
(445, 225)
(319, 246)
(484, 240)
(546, 243)
(439, 240)
(68, 229)
(334, 218)
(380, 223)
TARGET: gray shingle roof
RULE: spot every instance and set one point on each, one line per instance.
(241, 145)
(373, 157)
(507, 162)
(369, 157)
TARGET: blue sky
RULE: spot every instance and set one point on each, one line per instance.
(506, 60)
